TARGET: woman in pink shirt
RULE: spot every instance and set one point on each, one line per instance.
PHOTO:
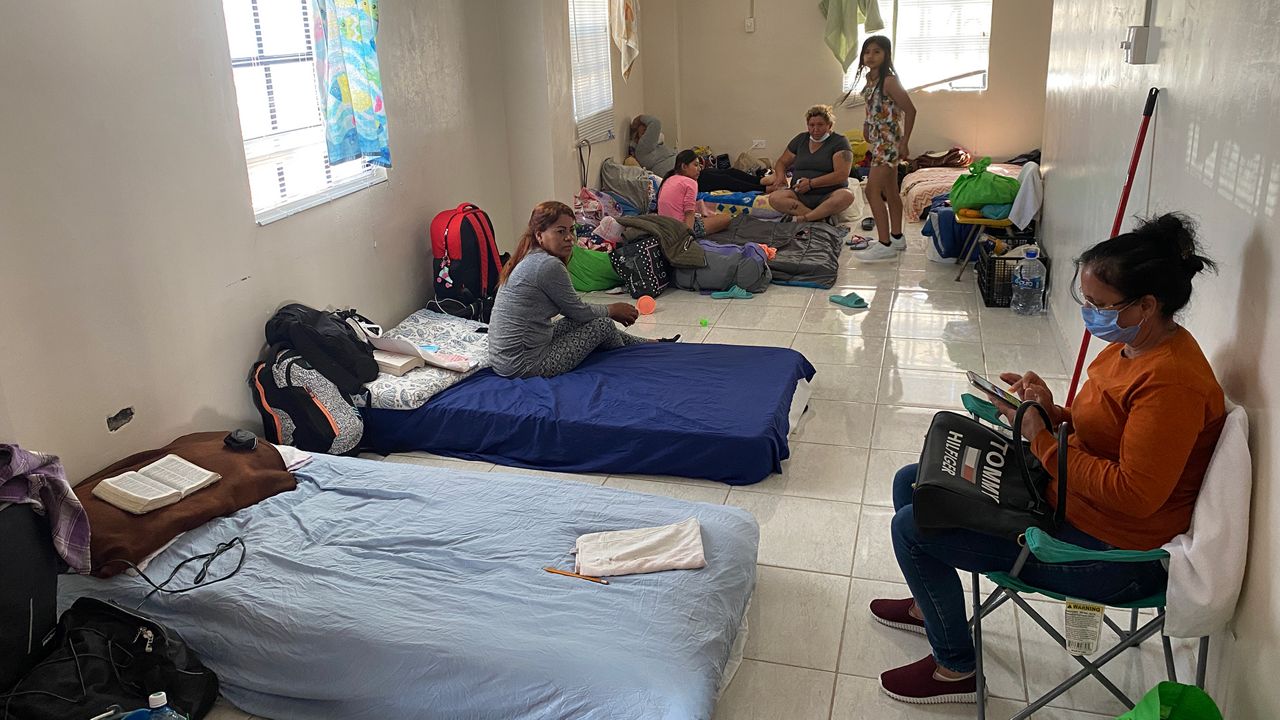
(678, 197)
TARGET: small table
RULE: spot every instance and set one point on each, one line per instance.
(971, 242)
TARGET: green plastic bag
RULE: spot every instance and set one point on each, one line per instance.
(591, 270)
(1174, 701)
(981, 187)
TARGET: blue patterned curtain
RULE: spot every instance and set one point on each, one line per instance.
(350, 83)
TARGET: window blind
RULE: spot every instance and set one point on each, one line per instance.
(273, 63)
(937, 39)
(592, 74)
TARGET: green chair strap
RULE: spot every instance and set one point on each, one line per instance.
(1049, 549)
(1008, 582)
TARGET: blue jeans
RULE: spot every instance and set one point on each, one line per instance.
(929, 563)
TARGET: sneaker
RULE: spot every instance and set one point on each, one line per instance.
(916, 683)
(898, 243)
(877, 253)
(896, 614)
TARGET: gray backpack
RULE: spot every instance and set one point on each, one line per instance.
(302, 408)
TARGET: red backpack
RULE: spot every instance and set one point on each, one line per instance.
(466, 262)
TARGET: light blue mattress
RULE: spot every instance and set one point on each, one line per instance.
(380, 590)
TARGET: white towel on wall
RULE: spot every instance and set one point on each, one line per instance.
(624, 28)
(642, 550)
(1206, 563)
(1030, 194)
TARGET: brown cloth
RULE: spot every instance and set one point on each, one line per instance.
(247, 478)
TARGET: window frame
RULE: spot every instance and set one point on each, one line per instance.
(598, 126)
(258, 149)
(848, 85)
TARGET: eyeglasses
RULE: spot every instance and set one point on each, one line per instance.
(1078, 295)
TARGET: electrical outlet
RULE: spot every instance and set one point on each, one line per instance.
(757, 144)
(751, 25)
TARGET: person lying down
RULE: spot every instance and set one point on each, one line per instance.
(533, 289)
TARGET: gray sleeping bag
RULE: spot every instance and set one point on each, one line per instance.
(808, 252)
(727, 265)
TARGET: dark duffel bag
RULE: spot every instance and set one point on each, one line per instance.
(329, 341)
(105, 655)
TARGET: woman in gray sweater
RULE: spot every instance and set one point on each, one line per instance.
(534, 289)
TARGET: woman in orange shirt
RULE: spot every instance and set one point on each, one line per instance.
(1144, 428)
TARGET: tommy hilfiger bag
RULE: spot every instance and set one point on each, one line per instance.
(972, 477)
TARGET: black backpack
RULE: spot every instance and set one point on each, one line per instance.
(466, 263)
(329, 343)
(642, 267)
(302, 408)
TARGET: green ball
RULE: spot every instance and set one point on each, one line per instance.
(703, 322)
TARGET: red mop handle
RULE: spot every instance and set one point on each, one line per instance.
(1115, 226)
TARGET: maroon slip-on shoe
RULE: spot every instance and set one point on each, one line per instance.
(915, 683)
(896, 614)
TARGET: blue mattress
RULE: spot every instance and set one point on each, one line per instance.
(380, 590)
(718, 412)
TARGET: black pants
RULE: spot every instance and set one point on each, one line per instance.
(733, 180)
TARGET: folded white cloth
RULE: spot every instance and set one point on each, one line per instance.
(642, 550)
(1206, 563)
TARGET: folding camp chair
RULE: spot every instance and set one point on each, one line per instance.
(1047, 549)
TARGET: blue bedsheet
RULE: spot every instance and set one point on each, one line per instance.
(718, 412)
(379, 590)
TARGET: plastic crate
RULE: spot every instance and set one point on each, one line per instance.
(995, 276)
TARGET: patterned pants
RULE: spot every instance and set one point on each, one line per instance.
(572, 342)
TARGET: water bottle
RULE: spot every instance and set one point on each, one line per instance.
(1028, 285)
(160, 710)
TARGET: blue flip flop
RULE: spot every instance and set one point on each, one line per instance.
(851, 300)
(733, 293)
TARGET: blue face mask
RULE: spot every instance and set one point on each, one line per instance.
(1104, 325)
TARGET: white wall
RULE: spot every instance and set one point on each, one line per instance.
(1213, 153)
(538, 85)
(727, 87)
(133, 273)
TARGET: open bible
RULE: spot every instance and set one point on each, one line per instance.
(163, 482)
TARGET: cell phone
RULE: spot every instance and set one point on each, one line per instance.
(987, 386)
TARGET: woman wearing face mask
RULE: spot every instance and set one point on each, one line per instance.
(820, 162)
(534, 288)
(1143, 430)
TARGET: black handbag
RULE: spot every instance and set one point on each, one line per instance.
(105, 655)
(972, 477)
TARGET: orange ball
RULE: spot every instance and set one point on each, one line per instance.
(646, 305)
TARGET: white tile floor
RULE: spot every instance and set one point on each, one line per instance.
(813, 651)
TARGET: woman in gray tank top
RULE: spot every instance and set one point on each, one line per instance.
(820, 161)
